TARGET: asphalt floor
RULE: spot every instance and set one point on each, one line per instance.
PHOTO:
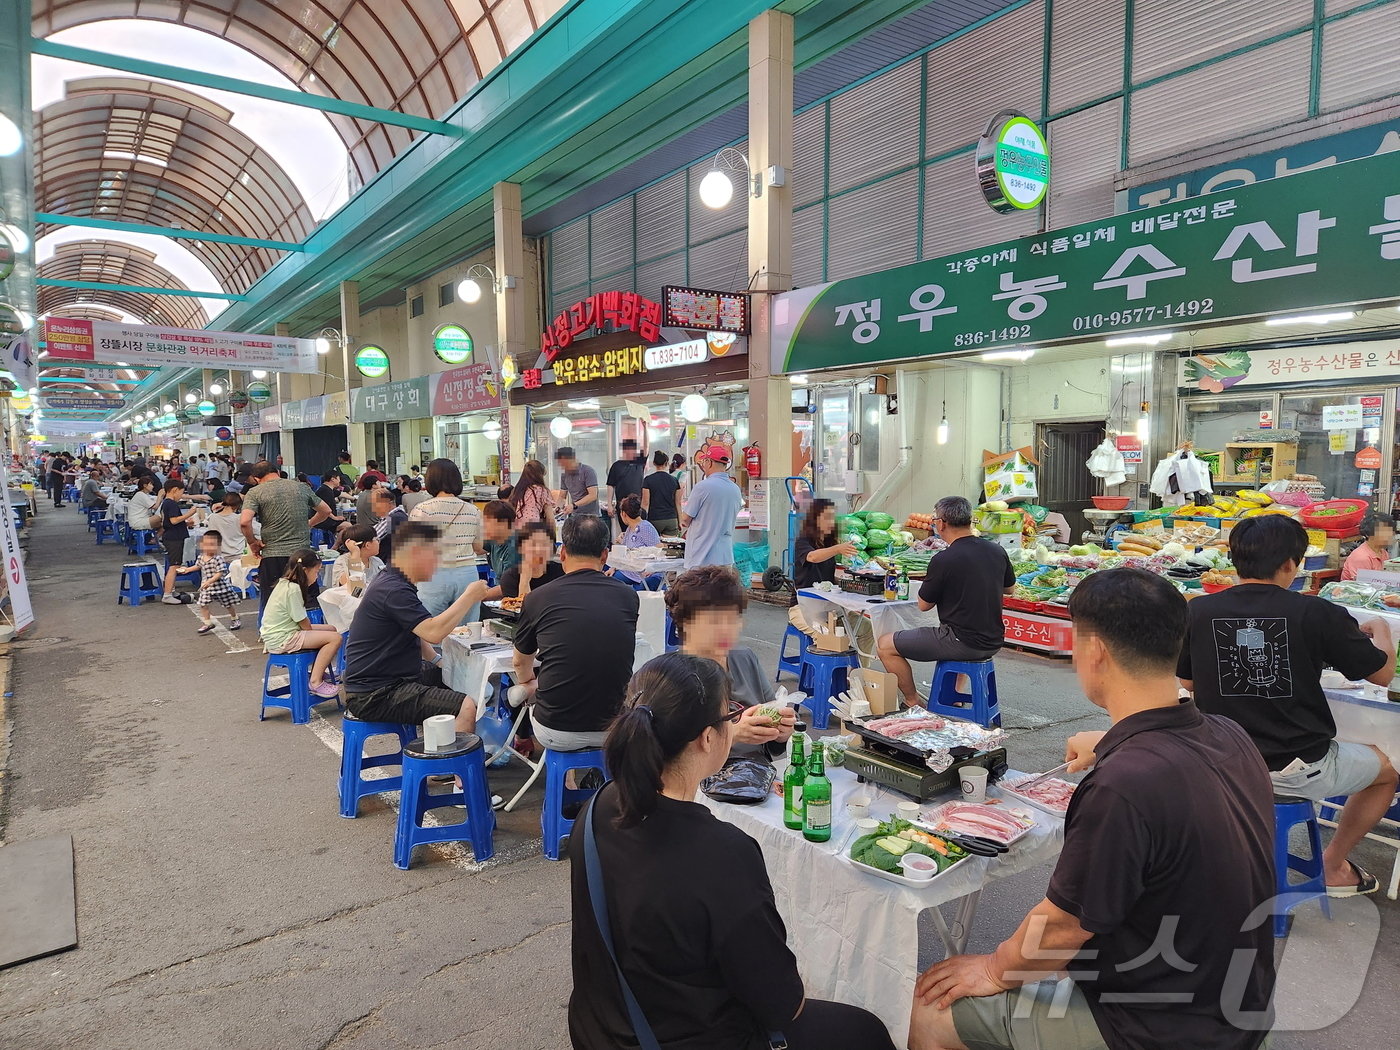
(224, 903)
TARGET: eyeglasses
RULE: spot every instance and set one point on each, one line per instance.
(735, 710)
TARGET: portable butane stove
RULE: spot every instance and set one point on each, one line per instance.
(901, 766)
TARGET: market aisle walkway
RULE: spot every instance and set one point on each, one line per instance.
(222, 903)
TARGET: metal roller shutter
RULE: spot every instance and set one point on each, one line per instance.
(975, 76)
(1250, 92)
(1086, 52)
(1336, 7)
(873, 228)
(875, 128)
(653, 276)
(611, 232)
(624, 281)
(1352, 67)
(808, 155)
(1085, 152)
(955, 215)
(568, 255)
(1171, 34)
(661, 217)
(807, 227)
(706, 223)
(721, 264)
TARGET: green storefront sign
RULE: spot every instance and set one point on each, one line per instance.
(400, 399)
(371, 361)
(453, 343)
(1319, 238)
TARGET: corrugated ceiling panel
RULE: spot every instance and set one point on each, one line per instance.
(1084, 149)
(626, 281)
(706, 223)
(612, 238)
(1250, 92)
(808, 154)
(661, 217)
(807, 226)
(652, 277)
(1171, 34)
(568, 255)
(974, 77)
(1086, 52)
(1336, 7)
(956, 218)
(1359, 58)
(875, 128)
(873, 228)
(720, 264)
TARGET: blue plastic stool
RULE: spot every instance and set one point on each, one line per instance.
(673, 638)
(134, 587)
(1288, 814)
(106, 530)
(791, 664)
(822, 676)
(143, 541)
(93, 516)
(984, 709)
(466, 760)
(553, 823)
(296, 696)
(354, 761)
(70, 493)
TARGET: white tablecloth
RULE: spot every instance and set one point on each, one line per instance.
(1362, 615)
(469, 670)
(867, 619)
(855, 935)
(1363, 719)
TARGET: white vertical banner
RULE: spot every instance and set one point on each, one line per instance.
(15, 584)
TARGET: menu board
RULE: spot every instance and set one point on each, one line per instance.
(709, 311)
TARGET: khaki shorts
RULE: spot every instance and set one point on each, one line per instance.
(294, 644)
(1345, 769)
(1047, 1015)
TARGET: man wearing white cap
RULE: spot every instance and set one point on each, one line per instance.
(710, 511)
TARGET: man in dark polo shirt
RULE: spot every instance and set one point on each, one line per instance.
(1168, 857)
(584, 628)
(392, 636)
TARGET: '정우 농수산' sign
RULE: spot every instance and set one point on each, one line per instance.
(1324, 237)
(1219, 370)
(70, 339)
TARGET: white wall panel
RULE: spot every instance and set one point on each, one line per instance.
(1086, 51)
(874, 227)
(808, 155)
(1084, 152)
(568, 254)
(875, 128)
(611, 234)
(955, 215)
(1172, 34)
(653, 276)
(661, 217)
(1361, 58)
(721, 264)
(807, 226)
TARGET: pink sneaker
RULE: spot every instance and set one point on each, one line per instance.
(326, 689)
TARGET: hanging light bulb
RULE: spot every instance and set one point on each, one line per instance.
(716, 189)
(468, 290)
(491, 430)
(942, 435)
(258, 373)
(1144, 427)
(694, 408)
(190, 398)
(561, 427)
(323, 345)
(11, 138)
(167, 408)
(216, 389)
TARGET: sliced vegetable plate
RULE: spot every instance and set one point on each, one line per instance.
(878, 853)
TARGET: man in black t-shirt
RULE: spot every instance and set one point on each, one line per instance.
(659, 494)
(1153, 907)
(965, 583)
(584, 628)
(328, 493)
(625, 476)
(1256, 652)
(175, 531)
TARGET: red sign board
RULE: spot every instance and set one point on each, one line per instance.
(602, 312)
(1368, 459)
(706, 310)
(1130, 446)
(470, 388)
(1038, 632)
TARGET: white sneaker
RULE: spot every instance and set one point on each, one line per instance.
(170, 599)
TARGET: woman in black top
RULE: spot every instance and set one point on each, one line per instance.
(695, 929)
(536, 566)
(659, 489)
(814, 554)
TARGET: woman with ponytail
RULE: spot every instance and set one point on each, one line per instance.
(695, 929)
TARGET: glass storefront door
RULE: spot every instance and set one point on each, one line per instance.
(1328, 450)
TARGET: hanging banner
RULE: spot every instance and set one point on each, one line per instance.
(1220, 371)
(15, 583)
(70, 339)
(60, 403)
(1319, 238)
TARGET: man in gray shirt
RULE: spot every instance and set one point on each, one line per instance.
(580, 480)
(91, 497)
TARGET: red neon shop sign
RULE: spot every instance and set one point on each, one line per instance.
(602, 312)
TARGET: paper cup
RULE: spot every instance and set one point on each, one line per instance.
(973, 781)
(908, 811)
(858, 807)
(867, 825)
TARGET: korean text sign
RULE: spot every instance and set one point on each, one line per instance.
(109, 341)
(1318, 238)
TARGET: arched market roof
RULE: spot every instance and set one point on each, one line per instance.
(111, 262)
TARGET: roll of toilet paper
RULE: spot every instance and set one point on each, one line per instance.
(439, 732)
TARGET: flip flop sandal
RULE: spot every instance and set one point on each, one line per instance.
(1366, 883)
(205, 629)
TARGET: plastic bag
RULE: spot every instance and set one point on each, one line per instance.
(741, 782)
(494, 729)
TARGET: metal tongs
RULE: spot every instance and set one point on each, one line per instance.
(1036, 780)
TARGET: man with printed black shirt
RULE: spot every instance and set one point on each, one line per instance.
(1159, 916)
(1256, 652)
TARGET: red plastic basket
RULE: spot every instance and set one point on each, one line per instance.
(1351, 513)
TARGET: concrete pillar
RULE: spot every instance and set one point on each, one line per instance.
(770, 254)
(350, 337)
(510, 315)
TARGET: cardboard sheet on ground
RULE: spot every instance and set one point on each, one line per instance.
(38, 913)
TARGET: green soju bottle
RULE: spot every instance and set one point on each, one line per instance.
(793, 778)
(902, 592)
(816, 799)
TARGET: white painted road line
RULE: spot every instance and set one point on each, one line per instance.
(457, 853)
(230, 640)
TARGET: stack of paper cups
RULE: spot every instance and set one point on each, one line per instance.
(439, 732)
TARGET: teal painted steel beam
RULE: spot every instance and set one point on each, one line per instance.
(163, 231)
(98, 286)
(199, 78)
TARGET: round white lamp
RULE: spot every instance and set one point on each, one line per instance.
(561, 427)
(216, 389)
(491, 430)
(716, 189)
(694, 408)
(469, 290)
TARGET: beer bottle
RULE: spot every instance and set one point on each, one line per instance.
(816, 799)
(793, 778)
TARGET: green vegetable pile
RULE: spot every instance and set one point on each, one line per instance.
(883, 847)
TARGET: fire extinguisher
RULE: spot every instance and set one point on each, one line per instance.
(753, 460)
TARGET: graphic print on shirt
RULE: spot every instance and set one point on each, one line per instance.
(1251, 657)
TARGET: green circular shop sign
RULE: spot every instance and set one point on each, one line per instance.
(206, 408)
(259, 392)
(1013, 163)
(371, 361)
(453, 344)
(182, 415)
